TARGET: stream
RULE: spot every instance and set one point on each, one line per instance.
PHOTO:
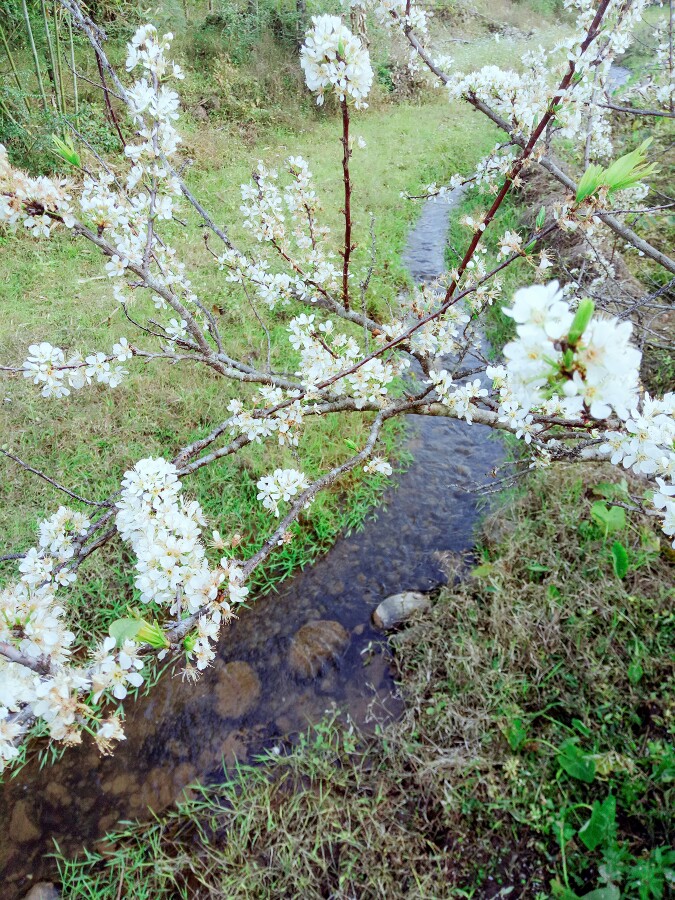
(308, 649)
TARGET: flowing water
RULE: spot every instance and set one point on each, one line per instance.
(268, 683)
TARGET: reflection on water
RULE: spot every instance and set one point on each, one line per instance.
(286, 661)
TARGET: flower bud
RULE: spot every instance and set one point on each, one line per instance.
(189, 641)
(580, 322)
(152, 634)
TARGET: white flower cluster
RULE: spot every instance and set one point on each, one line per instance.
(458, 398)
(378, 466)
(32, 621)
(265, 208)
(657, 86)
(493, 166)
(439, 336)
(333, 58)
(286, 422)
(522, 96)
(326, 353)
(47, 366)
(647, 446)
(596, 371)
(165, 534)
(122, 209)
(262, 205)
(396, 13)
(41, 203)
(116, 671)
(282, 484)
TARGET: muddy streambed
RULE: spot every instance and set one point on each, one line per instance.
(290, 658)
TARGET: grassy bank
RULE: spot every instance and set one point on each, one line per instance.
(534, 759)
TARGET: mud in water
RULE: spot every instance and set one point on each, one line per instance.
(290, 658)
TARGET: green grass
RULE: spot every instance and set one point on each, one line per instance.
(470, 793)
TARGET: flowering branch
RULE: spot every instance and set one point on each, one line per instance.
(568, 389)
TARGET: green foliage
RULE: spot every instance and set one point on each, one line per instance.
(601, 827)
(65, 149)
(581, 320)
(620, 558)
(610, 519)
(623, 173)
(236, 29)
(515, 731)
(30, 139)
(575, 762)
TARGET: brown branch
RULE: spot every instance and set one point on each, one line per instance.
(108, 102)
(346, 253)
(550, 165)
(16, 656)
(638, 112)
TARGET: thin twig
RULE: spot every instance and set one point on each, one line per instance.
(51, 481)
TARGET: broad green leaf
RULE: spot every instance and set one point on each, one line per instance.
(620, 558)
(541, 217)
(601, 826)
(590, 182)
(609, 892)
(575, 762)
(124, 630)
(635, 671)
(515, 733)
(612, 490)
(610, 519)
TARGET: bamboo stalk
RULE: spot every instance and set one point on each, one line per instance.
(36, 61)
(57, 51)
(52, 59)
(5, 109)
(13, 67)
(76, 104)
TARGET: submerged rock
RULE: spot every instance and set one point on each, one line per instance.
(22, 828)
(43, 890)
(398, 608)
(315, 644)
(237, 689)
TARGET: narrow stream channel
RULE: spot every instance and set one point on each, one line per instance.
(265, 685)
